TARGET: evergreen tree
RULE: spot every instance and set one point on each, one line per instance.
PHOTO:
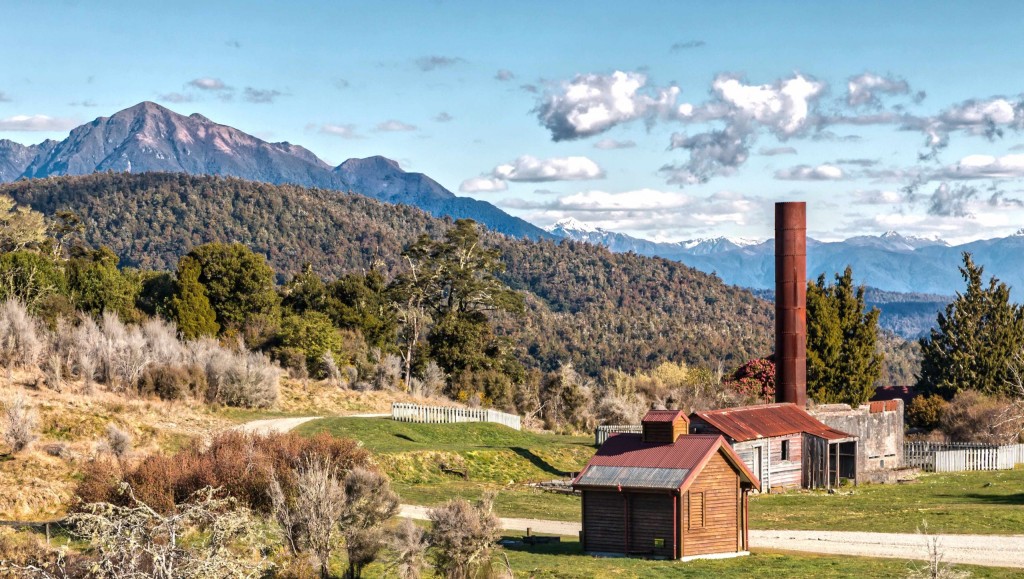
(97, 285)
(974, 342)
(843, 361)
(189, 306)
(239, 285)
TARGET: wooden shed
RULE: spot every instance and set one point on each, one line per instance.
(665, 493)
(784, 445)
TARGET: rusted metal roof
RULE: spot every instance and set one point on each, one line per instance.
(689, 452)
(635, 477)
(662, 415)
(767, 420)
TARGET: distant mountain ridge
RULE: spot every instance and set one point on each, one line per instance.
(150, 138)
(890, 262)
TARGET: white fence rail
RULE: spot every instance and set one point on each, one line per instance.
(404, 412)
(954, 457)
(603, 432)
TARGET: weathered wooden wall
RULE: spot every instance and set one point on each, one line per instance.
(719, 486)
(651, 517)
(785, 474)
(604, 521)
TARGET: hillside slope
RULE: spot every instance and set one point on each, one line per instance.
(586, 305)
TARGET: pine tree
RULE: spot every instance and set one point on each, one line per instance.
(189, 306)
(975, 340)
(843, 361)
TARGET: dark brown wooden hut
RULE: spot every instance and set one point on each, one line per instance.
(665, 494)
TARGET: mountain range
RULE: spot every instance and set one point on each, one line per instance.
(889, 262)
(150, 138)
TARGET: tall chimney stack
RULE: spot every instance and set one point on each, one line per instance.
(791, 302)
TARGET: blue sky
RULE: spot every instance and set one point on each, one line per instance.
(665, 120)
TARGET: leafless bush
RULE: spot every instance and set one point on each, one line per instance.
(388, 374)
(162, 342)
(624, 408)
(433, 380)
(53, 371)
(137, 541)
(21, 340)
(330, 368)
(935, 566)
(369, 502)
(976, 417)
(250, 380)
(409, 550)
(463, 536)
(118, 442)
(312, 518)
(19, 424)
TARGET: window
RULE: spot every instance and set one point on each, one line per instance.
(785, 450)
(696, 510)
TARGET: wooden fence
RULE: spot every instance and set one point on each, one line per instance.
(961, 456)
(603, 432)
(404, 412)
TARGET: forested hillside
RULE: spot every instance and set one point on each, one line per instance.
(585, 305)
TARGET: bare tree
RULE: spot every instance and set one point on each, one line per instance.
(309, 518)
(369, 503)
(20, 422)
(935, 566)
(463, 536)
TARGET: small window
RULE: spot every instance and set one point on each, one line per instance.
(696, 510)
(785, 450)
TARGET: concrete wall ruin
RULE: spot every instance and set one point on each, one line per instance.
(879, 427)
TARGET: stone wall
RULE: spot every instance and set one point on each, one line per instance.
(878, 426)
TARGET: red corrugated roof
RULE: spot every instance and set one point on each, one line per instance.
(767, 420)
(662, 415)
(689, 451)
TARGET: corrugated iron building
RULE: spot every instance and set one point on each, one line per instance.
(665, 493)
(784, 445)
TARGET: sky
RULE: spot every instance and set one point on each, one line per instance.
(664, 120)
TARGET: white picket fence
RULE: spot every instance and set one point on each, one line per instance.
(602, 433)
(954, 457)
(404, 412)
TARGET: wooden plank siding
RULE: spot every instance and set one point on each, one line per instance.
(604, 521)
(785, 474)
(717, 488)
(651, 517)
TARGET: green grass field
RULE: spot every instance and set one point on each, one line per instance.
(498, 458)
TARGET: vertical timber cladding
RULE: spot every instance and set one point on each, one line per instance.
(721, 498)
(605, 514)
(785, 473)
(651, 521)
(791, 302)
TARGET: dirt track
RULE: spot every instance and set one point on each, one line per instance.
(273, 425)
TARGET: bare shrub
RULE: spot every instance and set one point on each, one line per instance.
(162, 342)
(388, 374)
(20, 422)
(463, 536)
(135, 540)
(21, 340)
(369, 502)
(118, 442)
(53, 371)
(409, 550)
(433, 380)
(975, 417)
(935, 566)
(624, 408)
(330, 368)
(318, 504)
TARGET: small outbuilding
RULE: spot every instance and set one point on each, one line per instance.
(665, 493)
(783, 444)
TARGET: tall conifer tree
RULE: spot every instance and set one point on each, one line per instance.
(189, 305)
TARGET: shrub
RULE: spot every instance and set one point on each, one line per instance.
(19, 424)
(975, 417)
(21, 342)
(173, 382)
(369, 502)
(925, 411)
(118, 442)
(462, 536)
(243, 379)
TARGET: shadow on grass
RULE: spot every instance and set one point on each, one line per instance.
(515, 543)
(1017, 499)
(539, 462)
(405, 437)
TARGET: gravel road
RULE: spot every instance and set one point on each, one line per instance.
(273, 425)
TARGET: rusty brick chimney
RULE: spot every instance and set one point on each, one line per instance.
(791, 302)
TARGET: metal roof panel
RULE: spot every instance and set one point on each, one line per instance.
(633, 477)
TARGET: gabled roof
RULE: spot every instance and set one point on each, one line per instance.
(626, 461)
(662, 415)
(767, 420)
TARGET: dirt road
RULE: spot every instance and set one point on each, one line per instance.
(273, 425)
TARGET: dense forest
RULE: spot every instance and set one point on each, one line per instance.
(584, 305)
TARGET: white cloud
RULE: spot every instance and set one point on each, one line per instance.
(776, 151)
(531, 169)
(208, 83)
(175, 97)
(984, 167)
(347, 131)
(591, 104)
(607, 144)
(877, 197)
(260, 96)
(783, 107)
(504, 75)
(429, 63)
(36, 123)
(864, 90)
(824, 172)
(483, 185)
(393, 126)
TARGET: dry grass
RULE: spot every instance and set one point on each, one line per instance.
(323, 398)
(39, 483)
